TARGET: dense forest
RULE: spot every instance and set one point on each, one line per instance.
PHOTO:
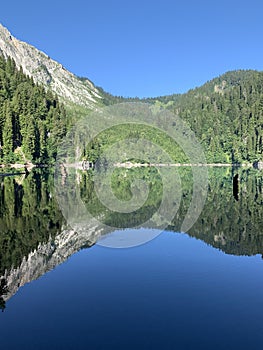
(226, 115)
(32, 121)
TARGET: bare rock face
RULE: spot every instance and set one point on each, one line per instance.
(48, 72)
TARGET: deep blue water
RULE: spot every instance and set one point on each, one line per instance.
(174, 292)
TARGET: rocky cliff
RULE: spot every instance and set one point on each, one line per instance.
(48, 72)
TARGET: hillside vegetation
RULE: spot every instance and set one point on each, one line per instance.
(32, 120)
(226, 115)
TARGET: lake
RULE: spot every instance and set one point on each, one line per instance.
(87, 288)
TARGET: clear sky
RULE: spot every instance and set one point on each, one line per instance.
(142, 48)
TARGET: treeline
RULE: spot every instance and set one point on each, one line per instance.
(109, 99)
(32, 121)
(226, 115)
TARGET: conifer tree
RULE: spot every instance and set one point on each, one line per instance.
(8, 134)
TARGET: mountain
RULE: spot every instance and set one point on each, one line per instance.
(48, 72)
(226, 115)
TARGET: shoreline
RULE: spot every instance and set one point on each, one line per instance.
(128, 165)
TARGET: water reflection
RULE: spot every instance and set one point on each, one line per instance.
(236, 187)
(34, 237)
(235, 227)
(3, 293)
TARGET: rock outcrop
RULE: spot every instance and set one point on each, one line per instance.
(48, 72)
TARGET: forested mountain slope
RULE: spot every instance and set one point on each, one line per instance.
(226, 114)
(32, 120)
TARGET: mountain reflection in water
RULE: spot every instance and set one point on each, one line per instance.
(34, 237)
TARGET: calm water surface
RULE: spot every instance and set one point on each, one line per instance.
(203, 289)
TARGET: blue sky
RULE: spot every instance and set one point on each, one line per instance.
(143, 48)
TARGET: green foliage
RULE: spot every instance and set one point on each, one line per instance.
(8, 133)
(31, 119)
(133, 133)
(226, 115)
